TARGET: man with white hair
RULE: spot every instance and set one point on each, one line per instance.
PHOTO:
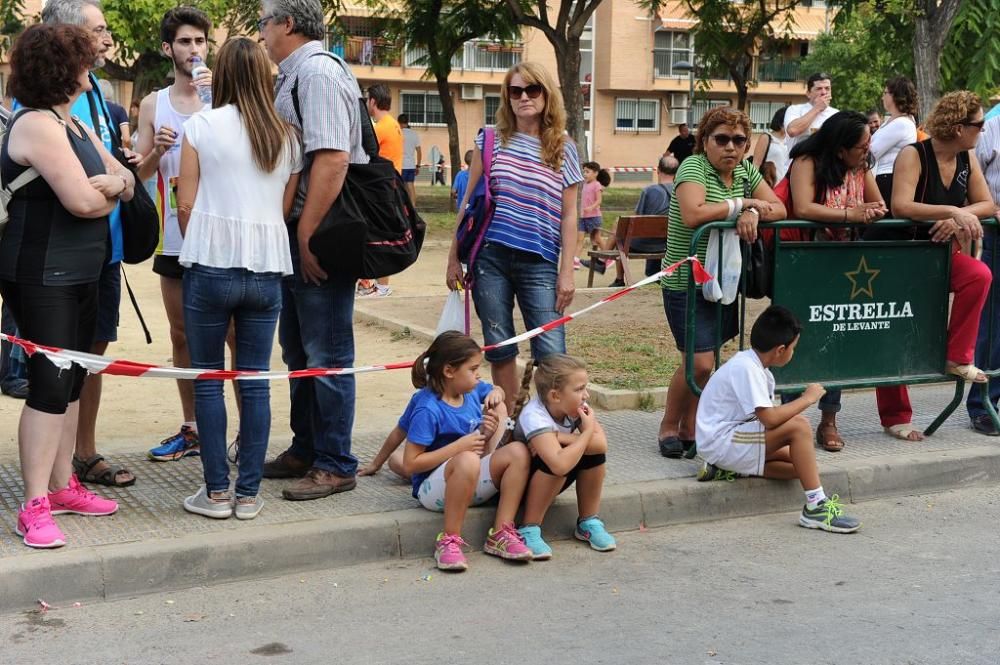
(319, 95)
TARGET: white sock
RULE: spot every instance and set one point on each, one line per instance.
(815, 497)
(193, 426)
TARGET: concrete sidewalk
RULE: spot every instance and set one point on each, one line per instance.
(153, 545)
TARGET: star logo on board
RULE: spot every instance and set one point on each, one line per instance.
(861, 279)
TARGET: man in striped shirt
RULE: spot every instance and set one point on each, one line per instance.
(988, 154)
(319, 96)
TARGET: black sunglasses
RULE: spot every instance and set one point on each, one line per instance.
(533, 90)
(978, 124)
(722, 140)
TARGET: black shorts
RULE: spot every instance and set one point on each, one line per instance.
(168, 266)
(109, 299)
(586, 462)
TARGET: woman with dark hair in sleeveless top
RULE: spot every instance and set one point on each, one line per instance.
(51, 254)
(952, 212)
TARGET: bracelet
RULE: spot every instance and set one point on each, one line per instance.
(732, 208)
(124, 183)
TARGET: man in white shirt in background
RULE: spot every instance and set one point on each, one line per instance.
(801, 120)
(412, 155)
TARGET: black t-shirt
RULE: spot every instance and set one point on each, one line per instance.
(118, 115)
(681, 147)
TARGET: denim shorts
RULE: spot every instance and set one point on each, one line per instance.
(588, 224)
(675, 307)
(109, 299)
(503, 273)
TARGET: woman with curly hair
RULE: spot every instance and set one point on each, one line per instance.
(527, 252)
(716, 183)
(939, 182)
(51, 254)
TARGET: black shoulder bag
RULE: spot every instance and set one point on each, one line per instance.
(758, 260)
(140, 221)
(372, 229)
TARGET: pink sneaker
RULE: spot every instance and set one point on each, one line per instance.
(448, 552)
(78, 500)
(35, 524)
(507, 543)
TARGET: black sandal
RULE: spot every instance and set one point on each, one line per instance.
(84, 470)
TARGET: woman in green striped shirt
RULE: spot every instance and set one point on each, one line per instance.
(714, 184)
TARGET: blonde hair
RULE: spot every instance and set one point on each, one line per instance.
(242, 78)
(951, 110)
(553, 372)
(553, 129)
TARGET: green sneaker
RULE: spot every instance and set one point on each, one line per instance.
(711, 472)
(829, 516)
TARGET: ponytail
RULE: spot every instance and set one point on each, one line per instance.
(522, 399)
(604, 177)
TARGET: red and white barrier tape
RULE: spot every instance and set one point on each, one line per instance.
(94, 364)
(631, 169)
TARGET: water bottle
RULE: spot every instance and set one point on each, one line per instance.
(198, 69)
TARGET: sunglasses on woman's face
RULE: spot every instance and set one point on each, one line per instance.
(978, 124)
(722, 140)
(533, 90)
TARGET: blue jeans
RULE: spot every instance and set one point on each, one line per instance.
(828, 403)
(317, 330)
(12, 365)
(503, 273)
(987, 357)
(213, 297)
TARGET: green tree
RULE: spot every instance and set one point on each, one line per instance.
(441, 28)
(563, 25)
(866, 47)
(971, 57)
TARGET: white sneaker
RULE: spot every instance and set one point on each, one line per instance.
(248, 507)
(382, 290)
(200, 503)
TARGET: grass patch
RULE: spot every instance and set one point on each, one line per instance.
(397, 335)
(617, 359)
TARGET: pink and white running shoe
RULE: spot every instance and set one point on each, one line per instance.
(448, 552)
(36, 526)
(77, 499)
(507, 543)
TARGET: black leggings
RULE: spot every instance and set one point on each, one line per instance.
(61, 316)
(586, 462)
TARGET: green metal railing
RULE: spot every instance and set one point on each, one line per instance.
(871, 382)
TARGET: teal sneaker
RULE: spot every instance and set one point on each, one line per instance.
(532, 536)
(591, 530)
(829, 516)
(711, 472)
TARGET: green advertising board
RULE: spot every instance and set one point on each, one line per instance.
(869, 310)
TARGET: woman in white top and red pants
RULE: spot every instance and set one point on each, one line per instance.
(239, 171)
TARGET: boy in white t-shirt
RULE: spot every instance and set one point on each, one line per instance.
(741, 432)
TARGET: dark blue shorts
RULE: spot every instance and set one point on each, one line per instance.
(109, 298)
(588, 224)
(409, 175)
(675, 307)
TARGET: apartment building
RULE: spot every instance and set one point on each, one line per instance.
(635, 95)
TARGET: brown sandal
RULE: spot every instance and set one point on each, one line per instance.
(828, 438)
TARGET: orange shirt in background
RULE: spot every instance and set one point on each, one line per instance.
(390, 140)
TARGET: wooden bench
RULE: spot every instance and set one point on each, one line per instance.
(627, 229)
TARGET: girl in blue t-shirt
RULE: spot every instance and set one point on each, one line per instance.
(450, 461)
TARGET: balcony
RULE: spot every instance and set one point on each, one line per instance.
(376, 51)
(664, 60)
(475, 56)
(778, 69)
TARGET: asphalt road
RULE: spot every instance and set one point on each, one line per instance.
(918, 584)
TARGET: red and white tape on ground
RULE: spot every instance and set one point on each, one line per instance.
(94, 364)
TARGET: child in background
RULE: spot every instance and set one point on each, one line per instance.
(741, 432)
(461, 182)
(595, 179)
(452, 463)
(568, 444)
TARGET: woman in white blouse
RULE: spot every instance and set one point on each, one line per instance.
(239, 170)
(900, 100)
(771, 147)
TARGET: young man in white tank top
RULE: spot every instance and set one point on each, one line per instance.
(184, 31)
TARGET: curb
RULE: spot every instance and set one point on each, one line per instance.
(125, 570)
(609, 399)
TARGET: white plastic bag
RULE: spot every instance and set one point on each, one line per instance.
(726, 282)
(453, 314)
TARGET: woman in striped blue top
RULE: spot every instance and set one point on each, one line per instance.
(533, 179)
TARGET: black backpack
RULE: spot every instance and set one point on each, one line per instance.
(372, 229)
